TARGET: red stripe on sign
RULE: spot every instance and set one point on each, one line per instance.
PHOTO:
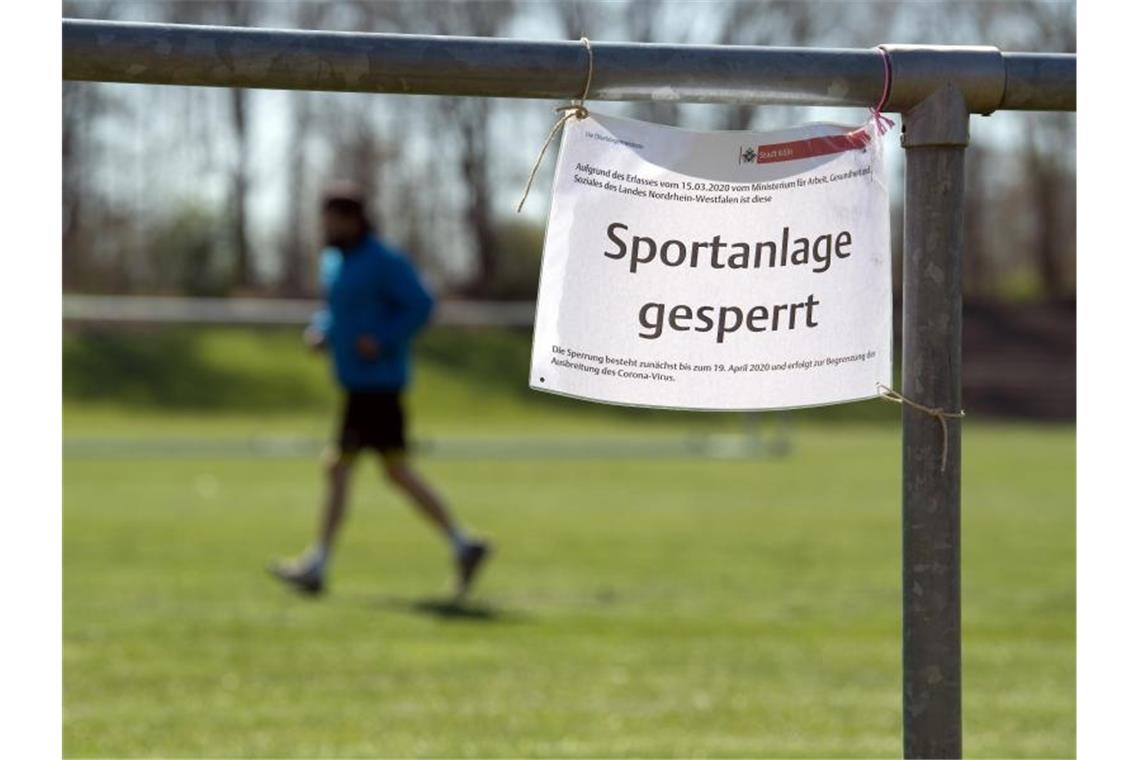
(813, 146)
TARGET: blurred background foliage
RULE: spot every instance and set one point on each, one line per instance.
(213, 192)
(199, 191)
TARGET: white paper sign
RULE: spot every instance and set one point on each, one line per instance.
(715, 270)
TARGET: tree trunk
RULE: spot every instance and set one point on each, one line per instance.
(479, 212)
(243, 269)
(298, 266)
(1041, 181)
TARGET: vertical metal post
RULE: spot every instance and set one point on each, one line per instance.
(935, 136)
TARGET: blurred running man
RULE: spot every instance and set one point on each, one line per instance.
(376, 304)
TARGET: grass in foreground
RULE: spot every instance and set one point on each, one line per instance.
(635, 608)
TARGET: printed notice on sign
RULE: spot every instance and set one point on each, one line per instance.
(715, 270)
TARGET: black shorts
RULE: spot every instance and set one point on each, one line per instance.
(372, 420)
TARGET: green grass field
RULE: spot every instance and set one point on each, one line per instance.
(636, 607)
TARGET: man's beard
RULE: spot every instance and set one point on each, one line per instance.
(342, 241)
(345, 239)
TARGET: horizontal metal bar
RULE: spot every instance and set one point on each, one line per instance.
(490, 67)
(269, 311)
(1040, 82)
(769, 443)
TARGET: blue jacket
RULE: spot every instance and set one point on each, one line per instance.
(371, 289)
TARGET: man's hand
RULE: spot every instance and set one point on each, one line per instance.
(314, 339)
(367, 346)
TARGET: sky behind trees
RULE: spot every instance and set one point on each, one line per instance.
(213, 191)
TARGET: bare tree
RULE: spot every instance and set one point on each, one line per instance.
(577, 17)
(1050, 167)
(1021, 212)
(81, 103)
(470, 118)
(977, 251)
(645, 21)
(231, 13)
(237, 13)
(299, 264)
(1046, 183)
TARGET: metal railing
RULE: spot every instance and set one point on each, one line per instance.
(268, 311)
(282, 59)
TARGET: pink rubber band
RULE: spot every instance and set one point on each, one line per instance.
(882, 123)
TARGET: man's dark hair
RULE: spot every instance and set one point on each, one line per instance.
(347, 198)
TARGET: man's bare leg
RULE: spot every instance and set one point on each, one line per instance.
(338, 470)
(401, 474)
(469, 554)
(308, 572)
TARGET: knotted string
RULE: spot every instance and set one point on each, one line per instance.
(576, 110)
(882, 123)
(941, 415)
